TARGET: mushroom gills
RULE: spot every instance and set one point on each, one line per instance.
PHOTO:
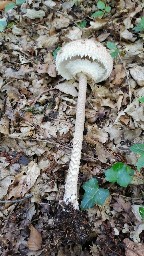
(90, 69)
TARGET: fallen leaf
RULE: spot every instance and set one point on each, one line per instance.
(98, 24)
(3, 4)
(24, 181)
(121, 205)
(119, 74)
(50, 3)
(47, 41)
(4, 125)
(102, 153)
(135, 235)
(102, 37)
(135, 210)
(33, 14)
(35, 240)
(60, 22)
(52, 70)
(133, 249)
(128, 36)
(95, 134)
(137, 73)
(74, 33)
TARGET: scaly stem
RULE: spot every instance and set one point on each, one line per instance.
(70, 195)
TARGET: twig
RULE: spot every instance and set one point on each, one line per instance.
(127, 77)
(16, 200)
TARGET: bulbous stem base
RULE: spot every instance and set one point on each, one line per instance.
(70, 195)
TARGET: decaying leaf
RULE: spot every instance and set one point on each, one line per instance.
(98, 24)
(119, 74)
(137, 73)
(33, 14)
(4, 125)
(35, 240)
(135, 209)
(24, 181)
(61, 22)
(96, 134)
(74, 33)
(133, 249)
(46, 41)
(49, 3)
(3, 4)
(128, 36)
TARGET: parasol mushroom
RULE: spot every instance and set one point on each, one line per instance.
(84, 60)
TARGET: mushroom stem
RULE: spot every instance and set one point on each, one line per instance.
(70, 195)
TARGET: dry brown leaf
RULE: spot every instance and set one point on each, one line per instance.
(133, 249)
(121, 205)
(3, 4)
(102, 153)
(98, 24)
(35, 240)
(24, 181)
(96, 134)
(51, 70)
(119, 74)
(4, 125)
(137, 73)
(74, 33)
(61, 22)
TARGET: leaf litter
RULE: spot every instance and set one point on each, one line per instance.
(37, 112)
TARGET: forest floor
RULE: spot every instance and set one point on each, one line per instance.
(37, 111)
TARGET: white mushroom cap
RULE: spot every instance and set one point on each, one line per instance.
(86, 56)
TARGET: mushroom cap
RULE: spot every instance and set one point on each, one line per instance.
(86, 56)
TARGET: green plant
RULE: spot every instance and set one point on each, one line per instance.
(141, 99)
(102, 10)
(141, 212)
(82, 24)
(120, 173)
(139, 149)
(140, 26)
(56, 51)
(10, 6)
(114, 51)
(3, 24)
(93, 194)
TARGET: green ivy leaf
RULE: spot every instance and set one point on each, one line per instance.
(140, 26)
(111, 45)
(10, 24)
(9, 6)
(138, 148)
(120, 173)
(3, 24)
(100, 5)
(113, 48)
(141, 99)
(20, 2)
(108, 8)
(97, 14)
(140, 162)
(56, 51)
(93, 194)
(141, 212)
(82, 24)
(115, 53)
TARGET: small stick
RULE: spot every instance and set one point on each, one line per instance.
(15, 200)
